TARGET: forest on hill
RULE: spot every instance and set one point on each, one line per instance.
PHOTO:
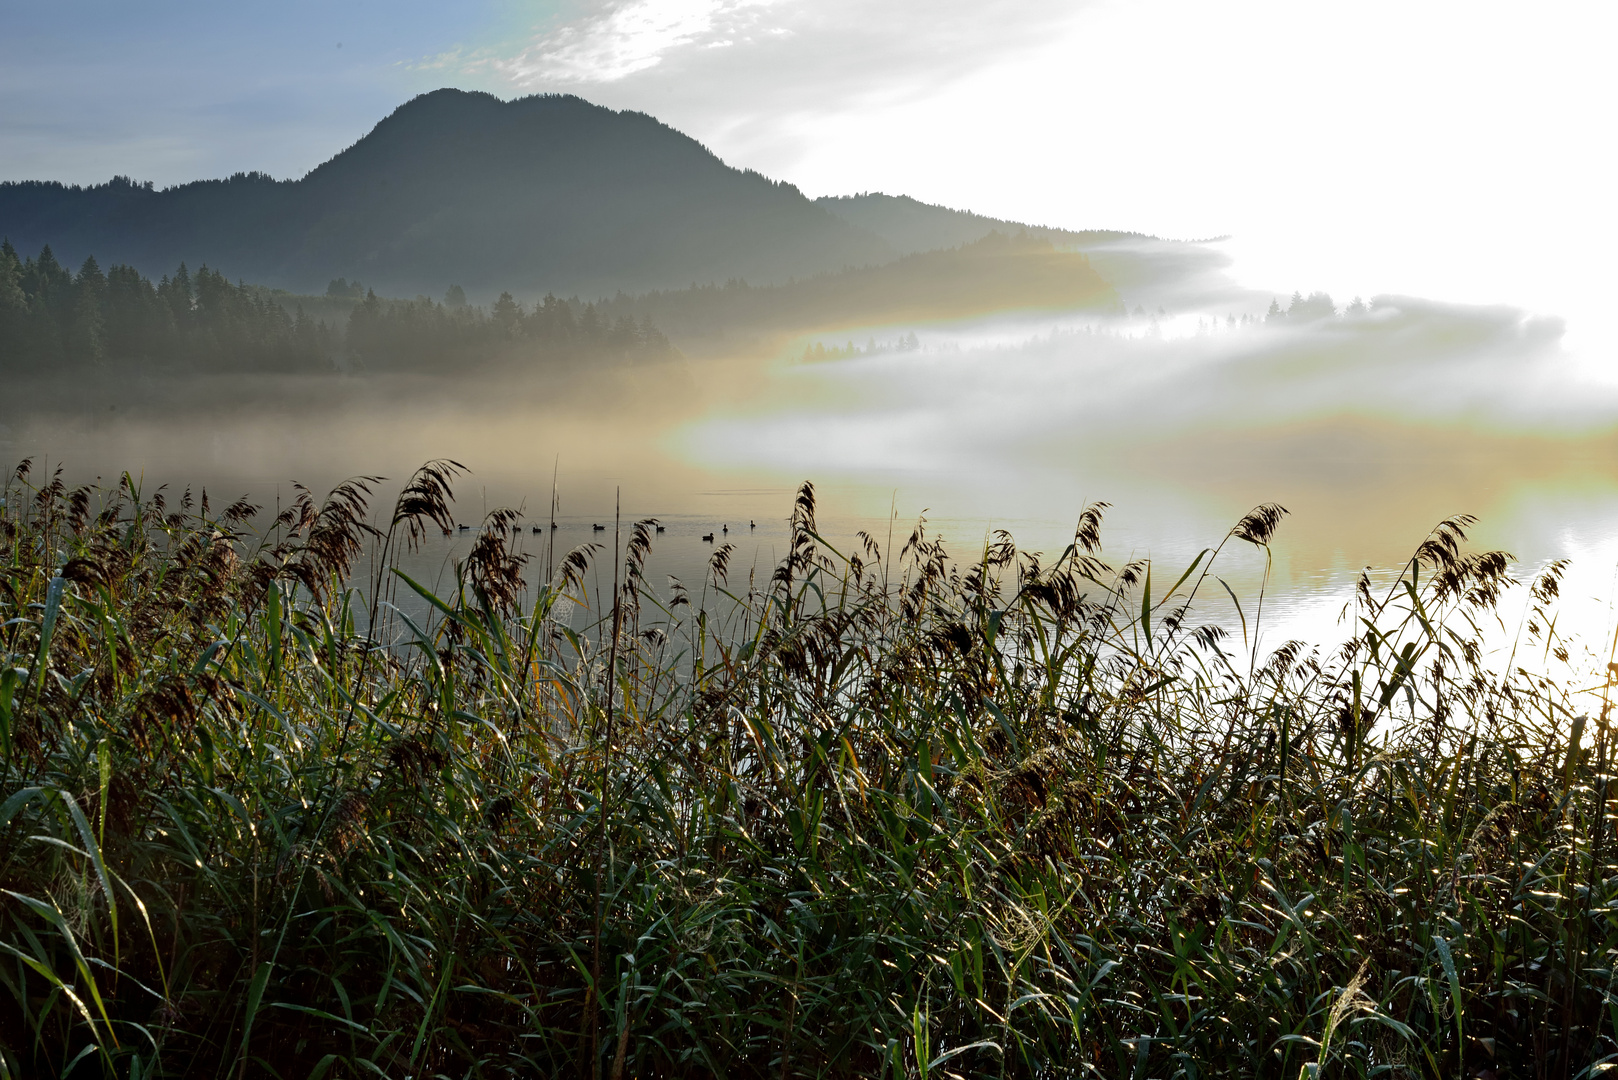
(909, 225)
(542, 194)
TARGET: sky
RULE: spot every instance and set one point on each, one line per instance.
(1459, 151)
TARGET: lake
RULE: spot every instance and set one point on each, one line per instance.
(1369, 430)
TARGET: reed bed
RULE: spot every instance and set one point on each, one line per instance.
(891, 814)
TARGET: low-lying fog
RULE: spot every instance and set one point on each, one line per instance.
(1369, 425)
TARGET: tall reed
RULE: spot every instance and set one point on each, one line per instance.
(890, 814)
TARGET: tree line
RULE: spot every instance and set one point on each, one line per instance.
(54, 322)
(1317, 305)
(421, 334)
(997, 273)
(58, 323)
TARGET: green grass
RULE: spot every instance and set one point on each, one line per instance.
(892, 815)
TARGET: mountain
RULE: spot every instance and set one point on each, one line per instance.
(544, 193)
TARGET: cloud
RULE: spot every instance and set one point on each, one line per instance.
(750, 77)
(621, 39)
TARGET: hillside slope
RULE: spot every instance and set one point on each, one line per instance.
(545, 193)
(910, 225)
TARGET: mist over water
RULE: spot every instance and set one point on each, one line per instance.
(1183, 411)
(1369, 426)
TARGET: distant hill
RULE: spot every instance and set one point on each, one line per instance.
(908, 225)
(545, 193)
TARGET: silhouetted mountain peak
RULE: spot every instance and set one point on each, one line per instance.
(549, 192)
(463, 130)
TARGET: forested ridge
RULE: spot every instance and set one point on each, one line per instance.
(910, 226)
(117, 322)
(544, 193)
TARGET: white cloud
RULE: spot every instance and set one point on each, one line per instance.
(748, 73)
(621, 39)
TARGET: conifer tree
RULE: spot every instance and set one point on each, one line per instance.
(87, 333)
